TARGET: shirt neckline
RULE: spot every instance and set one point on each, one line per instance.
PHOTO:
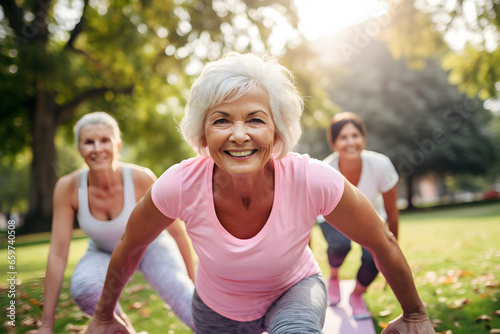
(270, 219)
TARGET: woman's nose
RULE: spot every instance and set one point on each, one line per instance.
(239, 133)
(97, 146)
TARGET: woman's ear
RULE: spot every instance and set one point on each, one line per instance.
(119, 145)
(78, 147)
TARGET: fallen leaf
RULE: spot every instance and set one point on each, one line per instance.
(492, 284)
(7, 325)
(33, 301)
(495, 331)
(30, 322)
(136, 288)
(24, 308)
(497, 312)
(145, 312)
(135, 306)
(385, 313)
(465, 273)
(74, 329)
(483, 317)
(459, 303)
(447, 280)
(383, 325)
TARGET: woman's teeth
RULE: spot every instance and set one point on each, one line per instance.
(240, 153)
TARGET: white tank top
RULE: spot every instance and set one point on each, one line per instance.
(104, 235)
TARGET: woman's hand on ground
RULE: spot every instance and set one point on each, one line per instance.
(410, 324)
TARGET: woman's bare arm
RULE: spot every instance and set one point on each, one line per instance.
(357, 219)
(145, 223)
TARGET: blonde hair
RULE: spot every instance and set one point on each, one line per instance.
(98, 117)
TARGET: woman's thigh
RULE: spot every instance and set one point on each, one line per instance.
(207, 321)
(301, 309)
(88, 278)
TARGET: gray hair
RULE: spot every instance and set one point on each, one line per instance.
(98, 117)
(229, 78)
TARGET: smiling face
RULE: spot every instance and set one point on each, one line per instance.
(97, 146)
(349, 142)
(240, 134)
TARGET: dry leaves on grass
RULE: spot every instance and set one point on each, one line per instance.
(459, 303)
(75, 329)
(483, 317)
(385, 313)
(136, 288)
(31, 322)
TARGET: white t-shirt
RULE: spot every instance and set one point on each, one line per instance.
(378, 176)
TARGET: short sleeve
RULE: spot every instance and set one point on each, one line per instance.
(166, 192)
(388, 175)
(326, 186)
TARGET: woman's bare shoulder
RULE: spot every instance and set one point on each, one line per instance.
(68, 181)
(143, 179)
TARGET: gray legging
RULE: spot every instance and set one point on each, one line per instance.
(301, 309)
(339, 246)
(162, 266)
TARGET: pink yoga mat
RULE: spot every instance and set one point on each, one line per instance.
(339, 318)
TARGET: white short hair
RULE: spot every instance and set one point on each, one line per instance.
(232, 76)
(98, 117)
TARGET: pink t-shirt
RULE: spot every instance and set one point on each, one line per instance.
(241, 278)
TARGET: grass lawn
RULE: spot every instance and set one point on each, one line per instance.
(454, 254)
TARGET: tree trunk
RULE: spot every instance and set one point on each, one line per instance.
(44, 165)
(409, 191)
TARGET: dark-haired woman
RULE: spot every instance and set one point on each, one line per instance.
(373, 174)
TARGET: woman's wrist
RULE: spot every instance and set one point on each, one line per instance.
(102, 315)
(47, 322)
(416, 316)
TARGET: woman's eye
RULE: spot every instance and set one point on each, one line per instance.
(256, 120)
(220, 121)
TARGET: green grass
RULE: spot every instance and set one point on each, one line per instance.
(454, 254)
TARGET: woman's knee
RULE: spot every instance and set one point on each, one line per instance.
(86, 294)
(87, 282)
(296, 325)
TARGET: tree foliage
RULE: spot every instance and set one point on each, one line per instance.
(470, 28)
(414, 116)
(134, 59)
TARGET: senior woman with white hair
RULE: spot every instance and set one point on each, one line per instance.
(102, 197)
(249, 207)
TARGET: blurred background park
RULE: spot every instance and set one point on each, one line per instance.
(422, 74)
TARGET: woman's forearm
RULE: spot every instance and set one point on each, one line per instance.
(393, 266)
(53, 280)
(124, 261)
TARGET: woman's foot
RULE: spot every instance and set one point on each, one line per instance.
(334, 291)
(359, 309)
